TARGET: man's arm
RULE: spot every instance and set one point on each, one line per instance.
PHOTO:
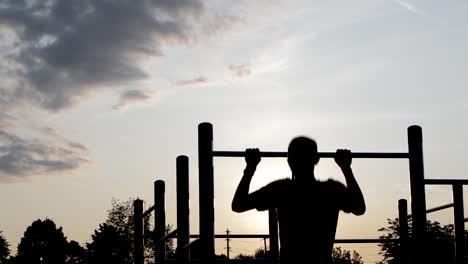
(242, 201)
(355, 199)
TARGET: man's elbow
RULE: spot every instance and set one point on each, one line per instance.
(236, 207)
(359, 210)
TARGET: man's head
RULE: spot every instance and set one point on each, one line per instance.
(302, 156)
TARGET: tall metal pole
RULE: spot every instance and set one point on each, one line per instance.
(206, 192)
(159, 222)
(273, 228)
(183, 210)
(403, 222)
(459, 223)
(418, 195)
(138, 243)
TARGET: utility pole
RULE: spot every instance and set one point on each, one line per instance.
(228, 249)
(264, 243)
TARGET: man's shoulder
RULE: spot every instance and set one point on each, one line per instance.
(330, 183)
(281, 183)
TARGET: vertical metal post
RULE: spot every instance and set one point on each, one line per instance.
(206, 192)
(459, 222)
(183, 210)
(273, 228)
(159, 222)
(138, 243)
(403, 222)
(418, 195)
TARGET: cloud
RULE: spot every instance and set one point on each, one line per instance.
(410, 7)
(21, 158)
(241, 70)
(196, 81)
(132, 97)
(67, 50)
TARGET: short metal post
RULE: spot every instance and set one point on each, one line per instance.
(159, 222)
(418, 195)
(206, 192)
(459, 223)
(183, 210)
(138, 243)
(273, 228)
(403, 222)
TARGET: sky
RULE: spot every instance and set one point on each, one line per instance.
(98, 98)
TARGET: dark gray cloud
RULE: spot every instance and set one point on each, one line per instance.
(20, 158)
(69, 49)
(132, 97)
(196, 81)
(241, 70)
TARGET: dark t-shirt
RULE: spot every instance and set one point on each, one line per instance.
(307, 216)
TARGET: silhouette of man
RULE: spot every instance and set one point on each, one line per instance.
(307, 208)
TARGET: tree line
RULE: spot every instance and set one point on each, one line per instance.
(112, 242)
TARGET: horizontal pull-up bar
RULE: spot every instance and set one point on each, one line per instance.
(446, 181)
(273, 154)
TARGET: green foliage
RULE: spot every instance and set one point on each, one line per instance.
(109, 245)
(442, 251)
(42, 242)
(4, 249)
(242, 256)
(119, 226)
(75, 253)
(343, 256)
(261, 253)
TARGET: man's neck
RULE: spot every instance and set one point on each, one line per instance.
(308, 178)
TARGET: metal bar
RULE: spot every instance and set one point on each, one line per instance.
(418, 193)
(138, 242)
(147, 212)
(459, 223)
(438, 208)
(274, 154)
(446, 181)
(183, 210)
(192, 243)
(273, 230)
(206, 192)
(346, 240)
(235, 236)
(403, 221)
(168, 235)
(159, 222)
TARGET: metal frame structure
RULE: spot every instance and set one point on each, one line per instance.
(206, 238)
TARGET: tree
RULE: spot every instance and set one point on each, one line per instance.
(443, 249)
(242, 256)
(343, 256)
(261, 253)
(4, 249)
(120, 218)
(42, 242)
(109, 245)
(75, 254)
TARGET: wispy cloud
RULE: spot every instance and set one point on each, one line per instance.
(21, 158)
(410, 7)
(133, 97)
(196, 81)
(241, 70)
